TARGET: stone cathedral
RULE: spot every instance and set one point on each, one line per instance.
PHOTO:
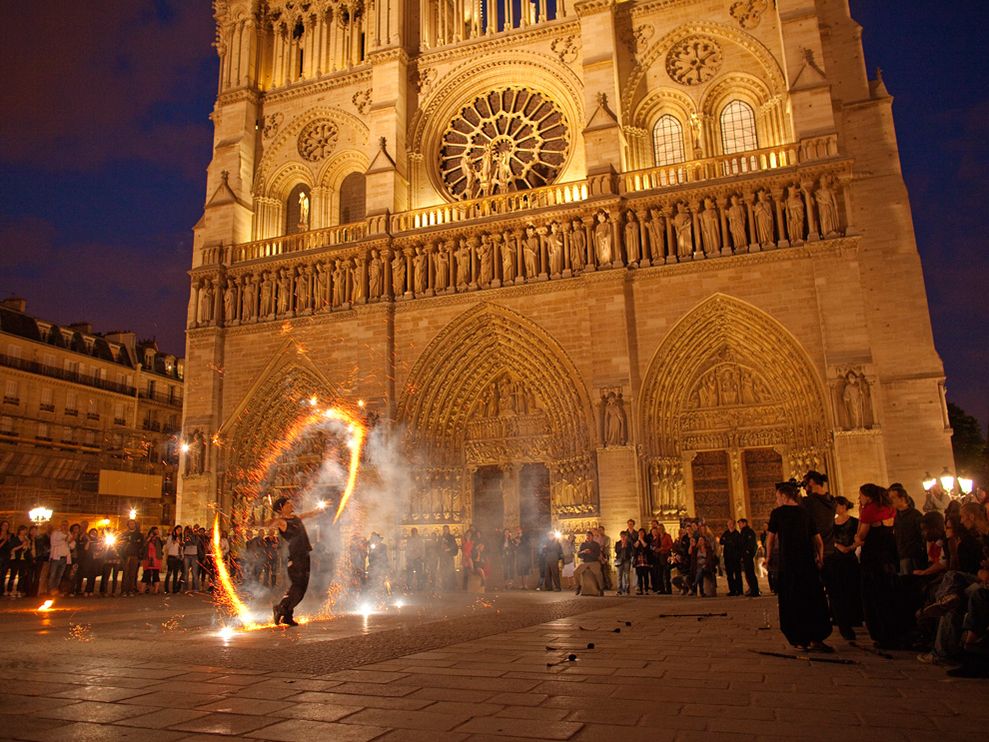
(584, 260)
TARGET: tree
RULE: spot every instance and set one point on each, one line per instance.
(968, 443)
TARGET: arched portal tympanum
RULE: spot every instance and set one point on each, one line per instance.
(492, 401)
(730, 403)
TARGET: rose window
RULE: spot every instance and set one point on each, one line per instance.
(317, 140)
(693, 60)
(507, 140)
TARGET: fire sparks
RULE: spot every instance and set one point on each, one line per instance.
(357, 432)
(81, 632)
(46, 606)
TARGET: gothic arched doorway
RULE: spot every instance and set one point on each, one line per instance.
(730, 405)
(496, 415)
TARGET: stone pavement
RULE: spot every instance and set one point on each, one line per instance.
(498, 668)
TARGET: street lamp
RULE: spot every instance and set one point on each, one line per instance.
(966, 485)
(929, 482)
(947, 480)
(40, 515)
(132, 514)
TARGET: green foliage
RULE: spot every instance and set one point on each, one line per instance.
(968, 443)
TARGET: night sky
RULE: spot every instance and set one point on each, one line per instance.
(105, 140)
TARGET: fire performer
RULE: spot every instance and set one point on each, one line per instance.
(293, 531)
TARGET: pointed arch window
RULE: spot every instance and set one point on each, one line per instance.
(667, 141)
(738, 132)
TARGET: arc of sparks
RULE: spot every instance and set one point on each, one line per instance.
(358, 434)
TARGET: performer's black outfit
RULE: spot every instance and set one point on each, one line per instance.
(298, 568)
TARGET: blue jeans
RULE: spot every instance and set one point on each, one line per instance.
(624, 577)
(190, 567)
(56, 569)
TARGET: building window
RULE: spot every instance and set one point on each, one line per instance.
(738, 132)
(298, 215)
(13, 351)
(7, 426)
(118, 414)
(11, 395)
(93, 412)
(667, 141)
(352, 198)
(71, 404)
(43, 432)
(47, 399)
(49, 360)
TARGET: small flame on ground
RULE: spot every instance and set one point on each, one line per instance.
(46, 606)
(227, 633)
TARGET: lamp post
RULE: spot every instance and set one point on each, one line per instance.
(955, 486)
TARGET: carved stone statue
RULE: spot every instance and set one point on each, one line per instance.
(398, 274)
(441, 266)
(303, 209)
(632, 238)
(762, 212)
(230, 301)
(655, 231)
(206, 302)
(485, 258)
(530, 252)
(419, 272)
(463, 265)
(736, 223)
(195, 458)
(508, 259)
(615, 425)
(578, 246)
(504, 177)
(708, 391)
(374, 276)
(486, 172)
(470, 177)
(247, 297)
(683, 225)
(795, 215)
(602, 240)
(710, 228)
(339, 284)
(302, 284)
(827, 207)
(554, 249)
(853, 397)
(728, 386)
(322, 287)
(267, 295)
(284, 292)
(359, 272)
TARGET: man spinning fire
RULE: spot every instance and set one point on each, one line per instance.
(293, 531)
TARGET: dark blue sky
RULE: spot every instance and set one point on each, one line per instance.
(105, 139)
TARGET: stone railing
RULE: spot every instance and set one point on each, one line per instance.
(299, 242)
(479, 208)
(723, 166)
(774, 209)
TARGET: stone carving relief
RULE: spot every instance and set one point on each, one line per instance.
(195, 457)
(728, 385)
(565, 48)
(437, 496)
(362, 101)
(271, 124)
(748, 13)
(317, 140)
(694, 60)
(854, 399)
(636, 40)
(507, 140)
(614, 421)
(424, 79)
(666, 484)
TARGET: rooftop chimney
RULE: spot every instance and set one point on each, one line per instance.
(16, 303)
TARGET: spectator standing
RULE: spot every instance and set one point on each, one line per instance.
(151, 564)
(190, 560)
(42, 548)
(5, 545)
(132, 550)
(624, 552)
(415, 561)
(569, 548)
(59, 557)
(173, 560)
(509, 552)
(750, 547)
(17, 581)
(589, 555)
(552, 555)
(906, 529)
(641, 555)
(803, 608)
(661, 546)
(110, 555)
(87, 549)
(448, 552)
(841, 572)
(32, 568)
(731, 554)
(937, 499)
(466, 555)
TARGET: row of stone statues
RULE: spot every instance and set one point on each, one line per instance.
(677, 232)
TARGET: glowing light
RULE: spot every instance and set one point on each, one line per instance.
(40, 515)
(103, 523)
(226, 633)
(110, 539)
(185, 447)
(965, 484)
(557, 535)
(947, 481)
(233, 599)
(132, 513)
(929, 481)
(46, 606)
(360, 403)
(321, 504)
(399, 603)
(313, 401)
(365, 609)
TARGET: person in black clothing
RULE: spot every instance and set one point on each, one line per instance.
(293, 531)
(552, 555)
(731, 557)
(910, 545)
(131, 548)
(841, 573)
(803, 609)
(749, 547)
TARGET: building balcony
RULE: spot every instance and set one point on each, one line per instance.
(53, 372)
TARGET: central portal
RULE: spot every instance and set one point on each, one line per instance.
(489, 501)
(534, 500)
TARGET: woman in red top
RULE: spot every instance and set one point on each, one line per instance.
(881, 605)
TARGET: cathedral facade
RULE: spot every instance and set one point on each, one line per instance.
(583, 260)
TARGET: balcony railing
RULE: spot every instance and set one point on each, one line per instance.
(286, 244)
(174, 399)
(58, 373)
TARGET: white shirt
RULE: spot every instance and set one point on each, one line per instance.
(60, 546)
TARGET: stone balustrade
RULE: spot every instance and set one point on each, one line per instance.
(548, 234)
